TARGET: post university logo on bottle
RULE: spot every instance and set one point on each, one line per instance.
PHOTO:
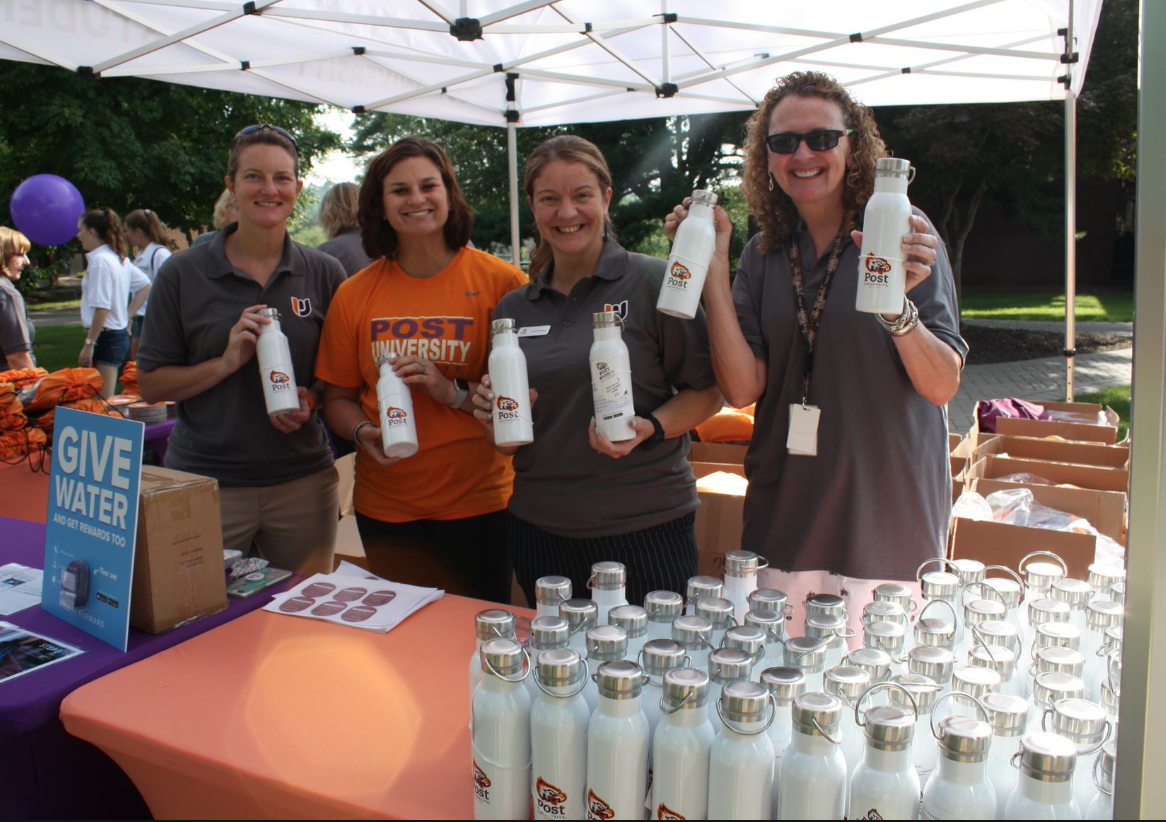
(301, 307)
(481, 783)
(873, 814)
(279, 381)
(664, 812)
(679, 275)
(550, 799)
(876, 270)
(597, 808)
(395, 417)
(507, 408)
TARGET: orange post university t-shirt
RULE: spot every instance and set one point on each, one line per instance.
(445, 319)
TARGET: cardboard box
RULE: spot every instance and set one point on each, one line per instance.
(1105, 510)
(1076, 453)
(996, 543)
(719, 520)
(178, 560)
(1059, 473)
(1074, 431)
(953, 440)
(717, 452)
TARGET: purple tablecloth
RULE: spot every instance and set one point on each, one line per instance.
(157, 439)
(46, 772)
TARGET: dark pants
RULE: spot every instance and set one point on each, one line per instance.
(466, 557)
(660, 558)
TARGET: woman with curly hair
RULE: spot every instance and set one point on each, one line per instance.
(849, 482)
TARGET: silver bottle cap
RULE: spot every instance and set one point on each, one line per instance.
(703, 586)
(663, 606)
(1008, 589)
(1009, 714)
(982, 610)
(964, 740)
(692, 632)
(884, 611)
(784, 683)
(608, 576)
(998, 632)
(895, 592)
(825, 626)
(924, 690)
(747, 638)
(607, 643)
(560, 668)
(1048, 687)
(892, 167)
(1113, 634)
(549, 632)
(1061, 634)
(1059, 660)
(875, 662)
(1118, 590)
(704, 197)
(1040, 575)
(503, 655)
(1107, 765)
(1047, 610)
(1104, 613)
(769, 599)
(500, 325)
(933, 662)
(493, 624)
(686, 689)
(729, 664)
(969, 571)
(606, 319)
(935, 631)
(847, 682)
(1073, 592)
(550, 590)
(581, 614)
(745, 701)
(816, 712)
(1047, 757)
(998, 658)
(620, 679)
(1103, 575)
(939, 585)
(889, 728)
(662, 655)
(886, 636)
(383, 360)
(1080, 721)
(824, 604)
(632, 618)
(717, 610)
(742, 564)
(975, 681)
(771, 623)
(270, 313)
(806, 654)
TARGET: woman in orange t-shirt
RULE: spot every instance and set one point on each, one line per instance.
(436, 518)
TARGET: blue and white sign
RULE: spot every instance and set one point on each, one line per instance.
(93, 522)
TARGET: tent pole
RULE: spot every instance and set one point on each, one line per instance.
(512, 165)
(1070, 238)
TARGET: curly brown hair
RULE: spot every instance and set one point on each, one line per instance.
(774, 210)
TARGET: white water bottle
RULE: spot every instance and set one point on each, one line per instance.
(771, 599)
(849, 683)
(884, 785)
(501, 734)
(727, 665)
(881, 277)
(680, 747)
(1084, 724)
(960, 788)
(695, 634)
(1008, 717)
(697, 588)
(688, 265)
(719, 612)
(741, 758)
(611, 378)
(751, 640)
(558, 736)
(772, 625)
(785, 685)
(395, 404)
(275, 367)
(582, 615)
(617, 745)
(875, 662)
(813, 770)
(1103, 773)
(511, 387)
(808, 656)
(662, 607)
(933, 662)
(608, 584)
(494, 623)
(605, 643)
(634, 620)
(1045, 787)
(741, 569)
(547, 633)
(550, 593)
(657, 658)
(918, 694)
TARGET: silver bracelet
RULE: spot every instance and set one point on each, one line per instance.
(356, 433)
(904, 324)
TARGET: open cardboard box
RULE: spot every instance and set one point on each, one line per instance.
(719, 519)
(1105, 510)
(1059, 473)
(1105, 433)
(1077, 453)
(996, 543)
(717, 452)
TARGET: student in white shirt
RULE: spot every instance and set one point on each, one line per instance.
(149, 235)
(106, 306)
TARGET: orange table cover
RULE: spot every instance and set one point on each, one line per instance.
(275, 716)
(24, 493)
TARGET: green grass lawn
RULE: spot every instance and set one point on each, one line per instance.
(1105, 308)
(1116, 398)
(57, 347)
(53, 305)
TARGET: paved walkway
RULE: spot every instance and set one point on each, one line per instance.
(1124, 329)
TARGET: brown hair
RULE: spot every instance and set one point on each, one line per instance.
(12, 244)
(569, 148)
(147, 222)
(262, 136)
(108, 227)
(226, 200)
(774, 210)
(377, 236)
(338, 209)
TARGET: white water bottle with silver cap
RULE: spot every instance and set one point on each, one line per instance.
(617, 745)
(1104, 770)
(510, 386)
(501, 734)
(657, 658)
(494, 623)
(849, 683)
(558, 736)
(688, 265)
(1044, 789)
(741, 569)
(395, 404)
(727, 665)
(882, 279)
(1008, 718)
(784, 684)
(741, 758)
(875, 662)
(833, 631)
(275, 366)
(680, 747)
(662, 607)
(695, 634)
(1084, 724)
(813, 770)
(751, 640)
(611, 377)
(605, 643)
(608, 584)
(719, 612)
(697, 588)
(634, 620)
(960, 788)
(923, 696)
(771, 599)
(884, 785)
(550, 593)
(547, 633)
(772, 625)
(808, 656)
(582, 615)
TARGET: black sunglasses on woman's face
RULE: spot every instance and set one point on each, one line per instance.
(822, 139)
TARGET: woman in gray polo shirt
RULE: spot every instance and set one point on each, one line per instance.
(875, 501)
(579, 498)
(16, 331)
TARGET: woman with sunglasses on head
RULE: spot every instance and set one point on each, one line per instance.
(875, 501)
(16, 330)
(147, 233)
(111, 293)
(580, 498)
(278, 489)
(436, 518)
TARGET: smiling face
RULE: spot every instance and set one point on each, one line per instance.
(416, 200)
(569, 207)
(812, 179)
(265, 186)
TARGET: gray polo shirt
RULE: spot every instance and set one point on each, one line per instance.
(225, 432)
(876, 501)
(348, 248)
(16, 330)
(561, 484)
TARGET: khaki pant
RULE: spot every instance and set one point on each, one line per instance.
(293, 525)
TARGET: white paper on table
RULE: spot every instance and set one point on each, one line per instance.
(363, 601)
(20, 587)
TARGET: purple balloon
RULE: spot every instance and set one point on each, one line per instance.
(46, 208)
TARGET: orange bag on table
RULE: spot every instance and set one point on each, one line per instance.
(16, 445)
(12, 416)
(64, 386)
(94, 405)
(20, 377)
(727, 425)
(129, 379)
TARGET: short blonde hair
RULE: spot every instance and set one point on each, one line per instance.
(12, 244)
(224, 202)
(338, 209)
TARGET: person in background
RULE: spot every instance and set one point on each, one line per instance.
(580, 498)
(17, 332)
(149, 236)
(875, 501)
(436, 518)
(226, 212)
(278, 488)
(338, 216)
(106, 305)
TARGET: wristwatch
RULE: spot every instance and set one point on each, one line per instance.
(463, 391)
(657, 436)
(88, 341)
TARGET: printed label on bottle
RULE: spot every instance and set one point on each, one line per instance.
(549, 801)
(481, 785)
(597, 808)
(612, 397)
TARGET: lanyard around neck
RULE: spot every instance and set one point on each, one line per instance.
(808, 321)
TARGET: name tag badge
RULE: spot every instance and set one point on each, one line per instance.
(534, 331)
(803, 430)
